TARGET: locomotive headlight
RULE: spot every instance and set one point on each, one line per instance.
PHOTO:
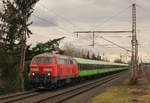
(49, 74)
(47, 69)
(35, 69)
(33, 74)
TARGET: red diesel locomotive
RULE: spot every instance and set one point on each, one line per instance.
(50, 70)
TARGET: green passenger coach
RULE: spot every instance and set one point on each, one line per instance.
(92, 67)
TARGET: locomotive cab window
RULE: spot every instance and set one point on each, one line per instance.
(36, 61)
(46, 61)
(55, 61)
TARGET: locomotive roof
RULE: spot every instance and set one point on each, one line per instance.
(83, 61)
(53, 55)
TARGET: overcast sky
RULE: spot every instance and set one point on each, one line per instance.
(57, 18)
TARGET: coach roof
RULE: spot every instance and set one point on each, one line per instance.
(84, 61)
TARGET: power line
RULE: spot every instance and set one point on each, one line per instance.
(43, 19)
(115, 44)
(110, 18)
(61, 17)
(48, 22)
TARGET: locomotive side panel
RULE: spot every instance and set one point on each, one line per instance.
(66, 67)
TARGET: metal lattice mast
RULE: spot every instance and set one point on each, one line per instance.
(134, 58)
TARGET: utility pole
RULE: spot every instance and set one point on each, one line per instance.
(134, 57)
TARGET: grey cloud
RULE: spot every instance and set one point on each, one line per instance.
(43, 21)
(87, 11)
(43, 18)
(89, 14)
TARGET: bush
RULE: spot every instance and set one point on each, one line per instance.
(2, 90)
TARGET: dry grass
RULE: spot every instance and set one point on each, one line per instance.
(139, 93)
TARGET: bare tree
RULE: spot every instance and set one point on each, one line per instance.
(71, 50)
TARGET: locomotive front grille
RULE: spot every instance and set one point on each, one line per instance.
(40, 77)
(41, 74)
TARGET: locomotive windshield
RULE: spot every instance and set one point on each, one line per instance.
(46, 61)
(36, 61)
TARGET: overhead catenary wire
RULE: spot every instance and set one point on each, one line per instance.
(48, 22)
(61, 17)
(73, 24)
(110, 18)
(115, 44)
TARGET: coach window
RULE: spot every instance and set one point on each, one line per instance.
(81, 66)
(116, 66)
(94, 66)
(108, 66)
(87, 66)
(99, 66)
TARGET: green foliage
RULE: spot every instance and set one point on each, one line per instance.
(98, 57)
(2, 90)
(93, 57)
(14, 18)
(48, 46)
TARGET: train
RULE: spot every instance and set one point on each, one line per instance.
(52, 70)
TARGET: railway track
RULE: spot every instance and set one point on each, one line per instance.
(59, 96)
(18, 96)
(64, 96)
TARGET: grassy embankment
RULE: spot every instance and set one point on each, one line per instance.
(125, 93)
